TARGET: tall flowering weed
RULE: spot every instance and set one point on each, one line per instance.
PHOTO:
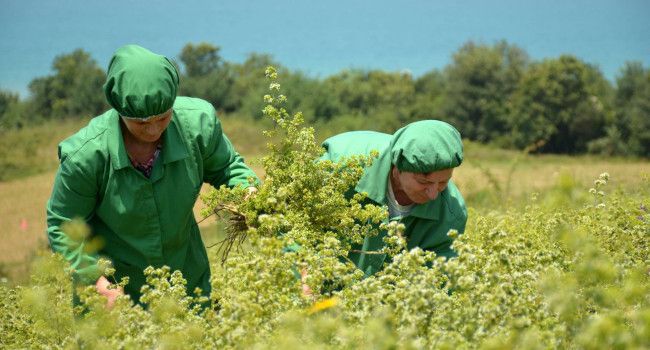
(555, 274)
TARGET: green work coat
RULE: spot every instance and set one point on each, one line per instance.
(426, 225)
(142, 221)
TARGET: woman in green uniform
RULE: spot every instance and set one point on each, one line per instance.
(412, 177)
(134, 173)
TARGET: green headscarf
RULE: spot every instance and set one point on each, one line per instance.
(426, 146)
(140, 83)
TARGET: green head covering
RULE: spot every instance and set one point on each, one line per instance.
(140, 83)
(426, 146)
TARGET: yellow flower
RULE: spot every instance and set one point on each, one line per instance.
(323, 305)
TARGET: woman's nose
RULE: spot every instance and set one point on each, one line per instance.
(432, 191)
(153, 130)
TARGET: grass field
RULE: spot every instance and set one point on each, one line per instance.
(489, 179)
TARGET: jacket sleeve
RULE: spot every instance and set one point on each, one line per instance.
(74, 195)
(222, 165)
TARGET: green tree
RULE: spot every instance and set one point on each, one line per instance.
(324, 102)
(200, 59)
(306, 94)
(7, 101)
(480, 83)
(249, 84)
(429, 96)
(206, 75)
(74, 90)
(7, 98)
(632, 104)
(383, 99)
(561, 105)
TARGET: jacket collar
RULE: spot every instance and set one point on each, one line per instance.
(374, 182)
(173, 146)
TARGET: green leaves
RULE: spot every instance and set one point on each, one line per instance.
(559, 101)
(554, 274)
(74, 90)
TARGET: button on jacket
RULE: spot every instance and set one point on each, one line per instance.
(142, 221)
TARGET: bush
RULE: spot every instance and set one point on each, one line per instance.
(567, 271)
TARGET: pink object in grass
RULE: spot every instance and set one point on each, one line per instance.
(23, 225)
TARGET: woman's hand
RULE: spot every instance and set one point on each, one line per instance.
(251, 191)
(110, 294)
(306, 290)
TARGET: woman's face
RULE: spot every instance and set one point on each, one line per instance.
(148, 130)
(421, 188)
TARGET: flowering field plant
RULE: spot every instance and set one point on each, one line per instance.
(570, 270)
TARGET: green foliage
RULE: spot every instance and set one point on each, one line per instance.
(632, 123)
(570, 270)
(9, 104)
(206, 75)
(201, 59)
(429, 96)
(302, 202)
(249, 84)
(480, 82)
(74, 90)
(382, 100)
(560, 102)
(491, 93)
(6, 99)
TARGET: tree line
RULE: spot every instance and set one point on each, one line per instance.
(493, 93)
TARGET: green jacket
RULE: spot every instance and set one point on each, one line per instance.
(427, 224)
(142, 221)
